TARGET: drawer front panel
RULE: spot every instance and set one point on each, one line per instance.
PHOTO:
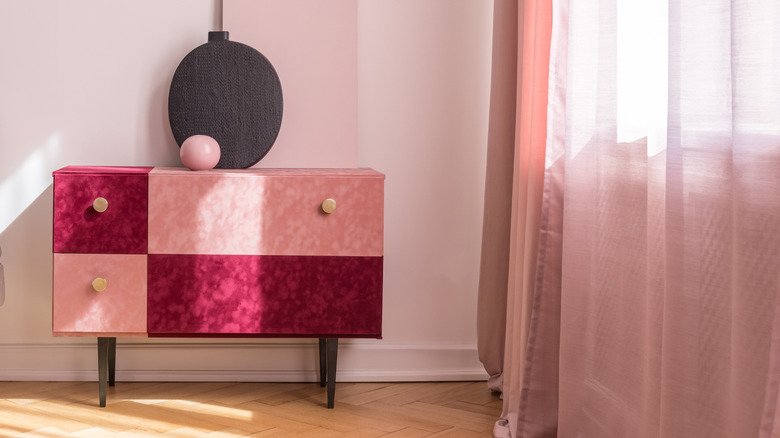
(80, 228)
(253, 214)
(119, 308)
(265, 295)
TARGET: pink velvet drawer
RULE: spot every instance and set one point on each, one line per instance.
(79, 309)
(307, 296)
(120, 229)
(266, 212)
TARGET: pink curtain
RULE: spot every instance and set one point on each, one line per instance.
(653, 310)
(513, 197)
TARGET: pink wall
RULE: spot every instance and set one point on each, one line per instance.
(313, 47)
(90, 85)
(423, 81)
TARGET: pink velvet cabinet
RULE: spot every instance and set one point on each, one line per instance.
(168, 252)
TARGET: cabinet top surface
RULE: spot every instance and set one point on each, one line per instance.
(181, 171)
(102, 170)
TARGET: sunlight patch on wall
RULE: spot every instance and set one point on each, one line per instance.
(24, 185)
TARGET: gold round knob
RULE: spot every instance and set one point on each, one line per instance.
(99, 284)
(100, 205)
(329, 205)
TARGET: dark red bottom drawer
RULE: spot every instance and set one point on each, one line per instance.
(237, 295)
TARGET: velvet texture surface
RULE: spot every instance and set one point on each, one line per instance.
(265, 211)
(327, 282)
(265, 295)
(120, 308)
(120, 229)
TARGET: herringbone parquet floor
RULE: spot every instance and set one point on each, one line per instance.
(223, 409)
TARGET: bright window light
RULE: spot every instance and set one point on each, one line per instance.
(642, 72)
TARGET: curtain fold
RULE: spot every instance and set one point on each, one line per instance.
(643, 257)
(513, 197)
(494, 265)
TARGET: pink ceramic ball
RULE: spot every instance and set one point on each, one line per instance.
(200, 152)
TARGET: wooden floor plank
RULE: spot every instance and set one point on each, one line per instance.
(345, 417)
(457, 433)
(50, 431)
(422, 390)
(135, 433)
(87, 414)
(240, 393)
(260, 415)
(311, 433)
(324, 418)
(379, 393)
(286, 392)
(163, 392)
(399, 415)
(437, 415)
(224, 433)
(225, 409)
(186, 432)
(473, 421)
(13, 415)
(496, 404)
(408, 432)
(92, 432)
(42, 390)
(472, 392)
(471, 407)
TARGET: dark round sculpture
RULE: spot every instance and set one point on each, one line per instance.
(230, 92)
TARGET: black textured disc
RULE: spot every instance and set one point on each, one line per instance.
(230, 92)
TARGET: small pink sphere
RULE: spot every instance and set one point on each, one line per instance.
(200, 152)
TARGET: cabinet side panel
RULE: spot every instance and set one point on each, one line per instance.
(265, 295)
(77, 307)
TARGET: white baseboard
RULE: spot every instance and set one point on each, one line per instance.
(240, 361)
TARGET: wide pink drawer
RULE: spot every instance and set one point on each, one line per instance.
(117, 225)
(310, 296)
(79, 304)
(266, 211)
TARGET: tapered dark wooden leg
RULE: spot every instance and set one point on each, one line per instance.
(323, 362)
(103, 353)
(111, 361)
(332, 353)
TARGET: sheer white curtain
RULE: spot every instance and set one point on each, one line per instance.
(663, 151)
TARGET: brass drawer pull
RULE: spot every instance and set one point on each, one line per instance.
(99, 284)
(100, 205)
(329, 205)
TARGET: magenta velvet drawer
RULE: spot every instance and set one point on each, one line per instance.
(80, 228)
(312, 296)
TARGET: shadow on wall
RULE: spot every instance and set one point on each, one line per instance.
(26, 312)
(25, 221)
